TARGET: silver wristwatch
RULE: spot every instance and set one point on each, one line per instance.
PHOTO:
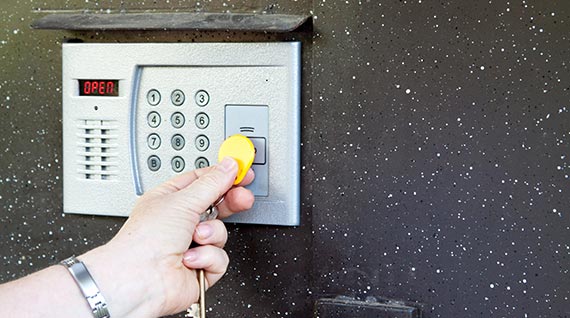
(88, 287)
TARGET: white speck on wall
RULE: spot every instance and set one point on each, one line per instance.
(492, 285)
(482, 67)
(408, 91)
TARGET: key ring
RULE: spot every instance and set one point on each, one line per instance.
(219, 201)
(212, 211)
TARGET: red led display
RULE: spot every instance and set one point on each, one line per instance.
(98, 88)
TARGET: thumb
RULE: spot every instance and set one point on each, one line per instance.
(199, 195)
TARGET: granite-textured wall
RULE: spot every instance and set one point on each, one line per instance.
(438, 150)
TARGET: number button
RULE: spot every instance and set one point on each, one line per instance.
(177, 120)
(178, 142)
(153, 163)
(202, 143)
(153, 141)
(153, 119)
(201, 162)
(177, 164)
(177, 97)
(202, 98)
(202, 120)
(153, 97)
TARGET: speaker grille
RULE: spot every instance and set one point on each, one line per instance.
(97, 150)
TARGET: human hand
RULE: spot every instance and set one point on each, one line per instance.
(152, 272)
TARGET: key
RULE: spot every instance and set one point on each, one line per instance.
(202, 282)
(210, 214)
(198, 310)
(193, 311)
(242, 150)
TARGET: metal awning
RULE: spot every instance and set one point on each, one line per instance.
(171, 21)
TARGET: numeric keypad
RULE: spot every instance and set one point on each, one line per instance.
(177, 110)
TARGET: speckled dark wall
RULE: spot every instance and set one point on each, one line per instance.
(437, 150)
(435, 137)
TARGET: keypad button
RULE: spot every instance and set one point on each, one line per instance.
(202, 162)
(177, 164)
(177, 120)
(202, 98)
(153, 119)
(153, 163)
(202, 143)
(202, 120)
(177, 97)
(153, 97)
(153, 141)
(178, 142)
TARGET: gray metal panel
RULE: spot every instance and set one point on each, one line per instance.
(268, 73)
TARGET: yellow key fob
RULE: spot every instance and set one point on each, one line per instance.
(242, 150)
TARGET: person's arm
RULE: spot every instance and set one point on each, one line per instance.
(146, 270)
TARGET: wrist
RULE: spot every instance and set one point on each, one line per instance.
(130, 286)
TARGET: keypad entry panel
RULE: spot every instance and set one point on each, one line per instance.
(164, 109)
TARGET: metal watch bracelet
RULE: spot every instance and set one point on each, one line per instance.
(88, 287)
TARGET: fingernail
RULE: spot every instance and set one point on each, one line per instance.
(190, 256)
(227, 164)
(204, 231)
